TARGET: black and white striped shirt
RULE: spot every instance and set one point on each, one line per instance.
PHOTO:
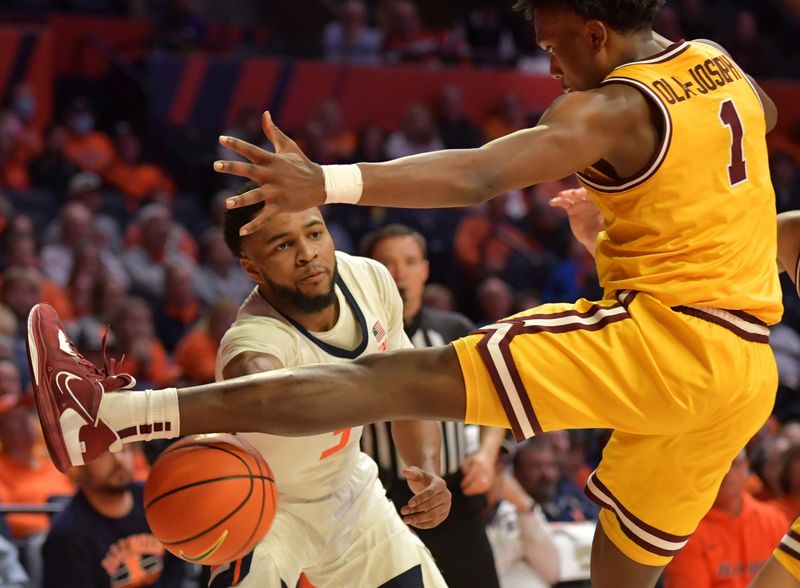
(430, 328)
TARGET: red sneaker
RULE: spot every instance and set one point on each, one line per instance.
(68, 390)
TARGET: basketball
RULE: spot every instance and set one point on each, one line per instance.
(210, 498)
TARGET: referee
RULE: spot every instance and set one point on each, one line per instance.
(459, 544)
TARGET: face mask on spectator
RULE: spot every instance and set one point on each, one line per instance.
(82, 123)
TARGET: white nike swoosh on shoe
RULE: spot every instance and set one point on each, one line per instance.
(64, 384)
(63, 344)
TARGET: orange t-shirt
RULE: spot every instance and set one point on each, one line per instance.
(20, 483)
(727, 551)
(93, 152)
(196, 354)
(138, 182)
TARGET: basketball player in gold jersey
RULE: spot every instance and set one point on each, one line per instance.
(669, 140)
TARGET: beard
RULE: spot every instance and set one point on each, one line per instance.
(284, 296)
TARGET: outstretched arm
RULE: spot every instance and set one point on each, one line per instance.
(577, 130)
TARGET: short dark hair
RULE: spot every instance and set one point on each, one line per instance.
(371, 240)
(235, 218)
(624, 16)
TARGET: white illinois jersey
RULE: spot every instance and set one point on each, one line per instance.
(370, 321)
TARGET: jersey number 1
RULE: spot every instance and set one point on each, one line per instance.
(737, 170)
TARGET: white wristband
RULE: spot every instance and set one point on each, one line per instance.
(343, 184)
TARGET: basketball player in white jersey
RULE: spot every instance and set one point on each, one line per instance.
(312, 305)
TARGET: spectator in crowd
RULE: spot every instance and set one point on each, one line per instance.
(459, 544)
(486, 240)
(29, 137)
(767, 463)
(370, 144)
(438, 297)
(417, 134)
(753, 51)
(90, 149)
(219, 274)
(525, 553)
(11, 391)
(696, 20)
(182, 26)
(138, 181)
(26, 475)
(180, 308)
(495, 300)
(8, 331)
(102, 539)
(90, 329)
(76, 229)
(51, 170)
(134, 338)
(509, 117)
(490, 42)
(350, 39)
(668, 23)
(340, 141)
(196, 353)
(407, 40)
(13, 170)
(158, 244)
(789, 481)
(538, 471)
(85, 277)
(732, 542)
(86, 188)
(24, 287)
(455, 129)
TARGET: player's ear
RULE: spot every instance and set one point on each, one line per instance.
(250, 269)
(597, 33)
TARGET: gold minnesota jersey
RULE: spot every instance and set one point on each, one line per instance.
(697, 226)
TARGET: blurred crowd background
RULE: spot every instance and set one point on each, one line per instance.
(109, 209)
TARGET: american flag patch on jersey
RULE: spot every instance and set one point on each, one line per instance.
(378, 330)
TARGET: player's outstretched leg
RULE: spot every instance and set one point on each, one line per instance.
(81, 416)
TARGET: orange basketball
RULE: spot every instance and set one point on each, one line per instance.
(210, 498)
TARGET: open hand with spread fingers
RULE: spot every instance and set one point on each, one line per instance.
(288, 180)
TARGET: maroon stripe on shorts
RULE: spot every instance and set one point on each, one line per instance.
(500, 390)
(747, 336)
(609, 501)
(518, 327)
(788, 550)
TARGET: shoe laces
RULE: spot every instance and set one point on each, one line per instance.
(110, 365)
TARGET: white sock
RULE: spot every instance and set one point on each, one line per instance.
(142, 415)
